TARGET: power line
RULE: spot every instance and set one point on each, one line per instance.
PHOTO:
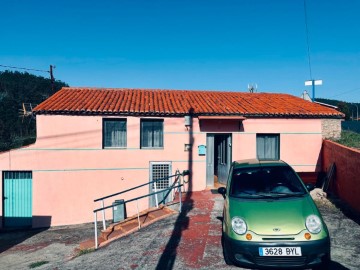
(346, 92)
(52, 79)
(32, 69)
(307, 38)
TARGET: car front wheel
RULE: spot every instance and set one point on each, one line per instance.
(226, 254)
(325, 263)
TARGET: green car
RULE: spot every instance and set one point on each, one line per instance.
(270, 219)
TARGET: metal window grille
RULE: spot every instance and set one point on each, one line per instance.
(161, 171)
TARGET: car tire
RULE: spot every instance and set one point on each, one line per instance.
(226, 254)
(325, 263)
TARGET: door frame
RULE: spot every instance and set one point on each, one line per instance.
(28, 197)
(210, 155)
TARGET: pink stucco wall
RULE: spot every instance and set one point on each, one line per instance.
(300, 141)
(70, 168)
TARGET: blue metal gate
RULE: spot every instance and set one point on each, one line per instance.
(17, 199)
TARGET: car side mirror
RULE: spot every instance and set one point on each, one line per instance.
(222, 191)
(310, 187)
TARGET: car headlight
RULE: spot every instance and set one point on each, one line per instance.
(313, 224)
(238, 225)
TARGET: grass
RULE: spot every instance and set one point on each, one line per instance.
(85, 251)
(37, 264)
(349, 139)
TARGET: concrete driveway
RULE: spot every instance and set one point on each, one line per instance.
(190, 240)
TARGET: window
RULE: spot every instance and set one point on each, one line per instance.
(280, 180)
(152, 133)
(114, 133)
(268, 146)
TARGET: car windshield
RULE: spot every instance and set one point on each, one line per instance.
(267, 181)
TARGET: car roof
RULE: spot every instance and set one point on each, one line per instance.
(256, 163)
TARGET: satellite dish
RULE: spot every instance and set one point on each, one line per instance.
(252, 88)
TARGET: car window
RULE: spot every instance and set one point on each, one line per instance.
(276, 180)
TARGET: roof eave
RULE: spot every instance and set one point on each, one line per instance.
(167, 114)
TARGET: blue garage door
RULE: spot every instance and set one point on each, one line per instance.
(17, 199)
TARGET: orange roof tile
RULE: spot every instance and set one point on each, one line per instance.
(156, 102)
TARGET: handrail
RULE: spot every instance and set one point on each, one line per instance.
(173, 184)
(185, 172)
(137, 198)
(130, 189)
(177, 174)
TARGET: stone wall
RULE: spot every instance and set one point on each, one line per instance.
(331, 128)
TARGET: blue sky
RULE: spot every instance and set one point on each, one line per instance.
(188, 44)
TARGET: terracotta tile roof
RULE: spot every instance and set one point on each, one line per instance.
(178, 102)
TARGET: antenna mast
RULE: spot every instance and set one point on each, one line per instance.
(252, 88)
(310, 82)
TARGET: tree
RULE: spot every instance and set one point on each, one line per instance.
(344, 108)
(17, 88)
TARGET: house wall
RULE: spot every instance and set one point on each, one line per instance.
(347, 180)
(300, 141)
(70, 168)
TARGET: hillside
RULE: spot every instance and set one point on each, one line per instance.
(349, 109)
(17, 88)
(349, 139)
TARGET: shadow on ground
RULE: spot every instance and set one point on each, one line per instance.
(337, 266)
(345, 208)
(11, 238)
(168, 257)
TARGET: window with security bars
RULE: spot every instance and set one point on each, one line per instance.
(160, 171)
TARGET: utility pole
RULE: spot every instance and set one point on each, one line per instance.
(357, 112)
(52, 79)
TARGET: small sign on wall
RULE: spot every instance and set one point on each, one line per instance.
(202, 150)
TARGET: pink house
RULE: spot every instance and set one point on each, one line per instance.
(95, 142)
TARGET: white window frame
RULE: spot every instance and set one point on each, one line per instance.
(161, 139)
(273, 138)
(120, 146)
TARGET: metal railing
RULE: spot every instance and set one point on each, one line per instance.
(177, 176)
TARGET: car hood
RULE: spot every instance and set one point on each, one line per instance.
(284, 216)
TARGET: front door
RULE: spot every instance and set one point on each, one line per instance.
(218, 158)
(210, 162)
(17, 199)
(223, 155)
(160, 170)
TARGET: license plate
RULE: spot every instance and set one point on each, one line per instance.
(280, 251)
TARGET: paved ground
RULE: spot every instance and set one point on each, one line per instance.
(190, 240)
